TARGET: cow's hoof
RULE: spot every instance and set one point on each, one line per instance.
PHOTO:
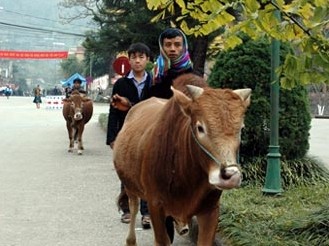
(79, 152)
(70, 150)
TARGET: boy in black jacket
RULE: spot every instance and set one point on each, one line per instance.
(127, 91)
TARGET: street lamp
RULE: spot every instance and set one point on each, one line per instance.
(273, 173)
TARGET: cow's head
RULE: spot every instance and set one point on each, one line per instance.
(76, 102)
(217, 117)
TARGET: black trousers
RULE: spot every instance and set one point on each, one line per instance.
(124, 204)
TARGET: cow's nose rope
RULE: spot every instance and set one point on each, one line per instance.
(204, 149)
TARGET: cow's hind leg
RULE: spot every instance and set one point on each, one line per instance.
(133, 207)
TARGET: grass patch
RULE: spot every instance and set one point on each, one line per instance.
(297, 217)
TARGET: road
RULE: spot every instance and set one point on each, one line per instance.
(319, 138)
(51, 197)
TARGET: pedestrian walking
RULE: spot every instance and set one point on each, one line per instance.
(37, 96)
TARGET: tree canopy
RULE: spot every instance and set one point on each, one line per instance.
(120, 23)
(303, 24)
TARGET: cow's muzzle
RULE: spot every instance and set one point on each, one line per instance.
(78, 116)
(225, 178)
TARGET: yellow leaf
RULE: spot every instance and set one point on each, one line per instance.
(252, 5)
(306, 11)
(280, 3)
(231, 42)
(156, 4)
(320, 3)
(181, 4)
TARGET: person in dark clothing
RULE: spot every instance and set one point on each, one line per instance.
(127, 91)
(56, 91)
(76, 86)
(174, 60)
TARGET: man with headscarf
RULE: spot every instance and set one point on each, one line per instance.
(174, 60)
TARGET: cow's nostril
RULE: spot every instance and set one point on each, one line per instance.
(225, 174)
(228, 172)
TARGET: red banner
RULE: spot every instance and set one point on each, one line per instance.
(9, 54)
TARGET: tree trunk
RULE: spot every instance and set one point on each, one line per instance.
(199, 53)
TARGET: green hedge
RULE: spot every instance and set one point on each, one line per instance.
(249, 66)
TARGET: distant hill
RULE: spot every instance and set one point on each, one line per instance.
(35, 25)
(40, 17)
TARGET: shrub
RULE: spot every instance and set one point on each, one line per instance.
(249, 66)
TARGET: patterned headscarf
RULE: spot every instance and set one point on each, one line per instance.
(163, 63)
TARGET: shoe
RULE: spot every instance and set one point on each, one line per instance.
(125, 218)
(146, 221)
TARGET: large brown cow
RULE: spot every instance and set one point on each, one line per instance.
(179, 154)
(77, 111)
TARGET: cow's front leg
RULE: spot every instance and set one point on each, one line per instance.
(80, 145)
(207, 222)
(158, 219)
(70, 133)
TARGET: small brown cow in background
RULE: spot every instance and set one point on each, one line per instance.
(77, 111)
(179, 154)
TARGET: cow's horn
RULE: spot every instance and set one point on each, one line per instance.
(194, 91)
(243, 93)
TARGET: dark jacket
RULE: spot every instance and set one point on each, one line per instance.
(162, 88)
(124, 87)
(68, 91)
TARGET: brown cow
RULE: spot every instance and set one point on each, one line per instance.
(77, 111)
(179, 154)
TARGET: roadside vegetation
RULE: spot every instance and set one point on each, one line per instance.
(298, 216)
